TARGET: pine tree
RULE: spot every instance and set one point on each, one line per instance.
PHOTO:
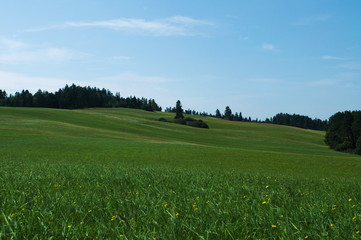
(218, 114)
(228, 113)
(178, 111)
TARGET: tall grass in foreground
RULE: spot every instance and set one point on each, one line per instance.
(44, 200)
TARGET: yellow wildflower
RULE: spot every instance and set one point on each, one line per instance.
(166, 205)
(267, 186)
(177, 214)
(264, 202)
(332, 225)
(69, 226)
(274, 226)
(358, 232)
(354, 218)
(350, 200)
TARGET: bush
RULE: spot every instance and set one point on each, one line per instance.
(197, 123)
(187, 121)
(180, 121)
(162, 119)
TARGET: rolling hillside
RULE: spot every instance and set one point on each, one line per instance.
(121, 174)
(129, 137)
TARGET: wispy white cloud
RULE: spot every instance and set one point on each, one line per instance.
(11, 44)
(122, 57)
(323, 83)
(13, 52)
(266, 80)
(13, 82)
(332, 58)
(173, 26)
(312, 20)
(350, 66)
(341, 79)
(136, 78)
(188, 21)
(39, 55)
(269, 47)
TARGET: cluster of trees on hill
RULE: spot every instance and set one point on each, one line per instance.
(294, 120)
(75, 97)
(300, 121)
(180, 119)
(344, 132)
(228, 114)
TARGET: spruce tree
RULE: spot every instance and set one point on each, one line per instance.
(178, 111)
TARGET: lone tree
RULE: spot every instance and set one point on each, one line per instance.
(218, 114)
(178, 111)
(228, 113)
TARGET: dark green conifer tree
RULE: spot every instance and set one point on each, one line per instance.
(178, 111)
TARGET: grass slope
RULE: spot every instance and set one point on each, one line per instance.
(120, 173)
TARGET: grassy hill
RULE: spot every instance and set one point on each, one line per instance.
(120, 173)
(135, 137)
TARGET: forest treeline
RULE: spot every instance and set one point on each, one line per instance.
(75, 97)
(300, 121)
(294, 120)
(344, 132)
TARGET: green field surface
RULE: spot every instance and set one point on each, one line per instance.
(122, 174)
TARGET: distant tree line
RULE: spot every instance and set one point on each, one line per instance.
(344, 132)
(75, 97)
(294, 120)
(300, 121)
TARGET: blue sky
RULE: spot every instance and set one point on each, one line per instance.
(259, 57)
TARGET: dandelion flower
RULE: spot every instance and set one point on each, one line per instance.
(69, 226)
(358, 232)
(354, 218)
(166, 205)
(274, 226)
(267, 186)
(264, 202)
(177, 214)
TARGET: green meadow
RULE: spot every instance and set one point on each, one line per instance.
(121, 174)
